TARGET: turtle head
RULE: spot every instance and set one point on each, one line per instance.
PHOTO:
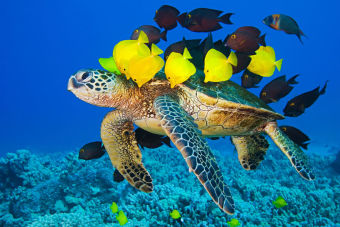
(97, 87)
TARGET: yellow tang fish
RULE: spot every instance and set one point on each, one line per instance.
(263, 63)
(142, 69)
(178, 68)
(217, 67)
(125, 50)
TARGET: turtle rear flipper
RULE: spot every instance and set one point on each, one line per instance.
(183, 132)
(121, 145)
(251, 150)
(294, 153)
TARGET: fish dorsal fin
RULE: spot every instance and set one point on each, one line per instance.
(269, 50)
(155, 50)
(217, 54)
(232, 59)
(143, 38)
(186, 54)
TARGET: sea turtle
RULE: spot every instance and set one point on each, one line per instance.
(187, 114)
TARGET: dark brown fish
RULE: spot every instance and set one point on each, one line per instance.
(245, 39)
(296, 135)
(243, 61)
(166, 17)
(284, 23)
(204, 20)
(296, 106)
(92, 150)
(117, 177)
(277, 89)
(250, 80)
(150, 140)
(178, 47)
(153, 33)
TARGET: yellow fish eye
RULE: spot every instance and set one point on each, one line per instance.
(233, 36)
(264, 93)
(292, 104)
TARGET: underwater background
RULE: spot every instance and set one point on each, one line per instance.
(43, 183)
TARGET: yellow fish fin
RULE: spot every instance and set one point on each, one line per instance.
(269, 50)
(232, 59)
(278, 64)
(155, 50)
(143, 38)
(186, 53)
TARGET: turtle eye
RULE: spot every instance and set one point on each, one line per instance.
(84, 77)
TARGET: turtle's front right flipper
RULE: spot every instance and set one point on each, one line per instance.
(293, 152)
(183, 132)
(121, 145)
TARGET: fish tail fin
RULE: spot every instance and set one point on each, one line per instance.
(262, 41)
(186, 53)
(278, 64)
(301, 33)
(163, 35)
(292, 80)
(226, 18)
(232, 59)
(166, 140)
(323, 90)
(304, 145)
(299, 36)
(155, 50)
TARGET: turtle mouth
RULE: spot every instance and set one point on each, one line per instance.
(74, 84)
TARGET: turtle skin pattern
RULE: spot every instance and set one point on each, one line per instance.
(183, 132)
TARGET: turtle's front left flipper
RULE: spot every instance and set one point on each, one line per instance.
(183, 132)
(121, 145)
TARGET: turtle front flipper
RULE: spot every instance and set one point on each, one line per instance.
(121, 145)
(251, 150)
(184, 133)
(294, 153)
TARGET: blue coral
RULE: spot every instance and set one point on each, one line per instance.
(42, 190)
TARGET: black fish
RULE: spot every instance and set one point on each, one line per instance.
(250, 80)
(245, 39)
(166, 17)
(117, 177)
(154, 34)
(92, 151)
(243, 61)
(296, 135)
(150, 140)
(203, 20)
(178, 47)
(297, 105)
(277, 89)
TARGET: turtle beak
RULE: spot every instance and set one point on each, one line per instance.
(73, 84)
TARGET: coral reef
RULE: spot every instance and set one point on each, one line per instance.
(49, 191)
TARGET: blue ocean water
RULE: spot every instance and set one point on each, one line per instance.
(44, 42)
